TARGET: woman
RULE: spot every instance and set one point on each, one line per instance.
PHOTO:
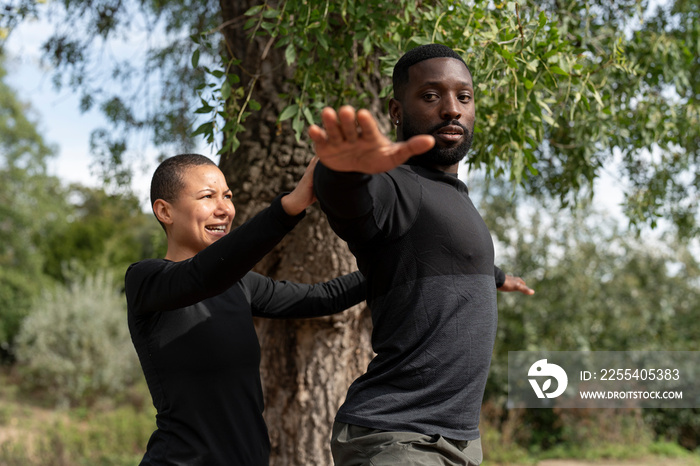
(190, 314)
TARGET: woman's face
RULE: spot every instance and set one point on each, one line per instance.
(202, 213)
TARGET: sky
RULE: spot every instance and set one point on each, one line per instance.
(58, 114)
(62, 123)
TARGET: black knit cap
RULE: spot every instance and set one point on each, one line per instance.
(417, 55)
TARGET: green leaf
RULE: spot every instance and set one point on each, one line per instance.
(298, 126)
(532, 65)
(254, 10)
(290, 54)
(204, 109)
(204, 128)
(225, 90)
(557, 70)
(195, 58)
(254, 105)
(271, 13)
(505, 54)
(289, 112)
(367, 45)
(321, 37)
(309, 116)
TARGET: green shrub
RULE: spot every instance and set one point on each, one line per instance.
(76, 344)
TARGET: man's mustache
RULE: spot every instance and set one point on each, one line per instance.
(449, 123)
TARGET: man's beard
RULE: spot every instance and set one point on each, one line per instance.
(439, 156)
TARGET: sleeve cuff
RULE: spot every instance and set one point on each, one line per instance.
(282, 216)
(500, 276)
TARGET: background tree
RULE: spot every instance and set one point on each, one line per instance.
(599, 289)
(29, 200)
(559, 85)
(46, 226)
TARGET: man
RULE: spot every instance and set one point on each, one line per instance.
(429, 262)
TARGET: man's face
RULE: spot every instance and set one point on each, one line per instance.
(439, 100)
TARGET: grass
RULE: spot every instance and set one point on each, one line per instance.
(115, 433)
(591, 435)
(109, 433)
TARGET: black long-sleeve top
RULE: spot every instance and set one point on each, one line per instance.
(191, 324)
(428, 259)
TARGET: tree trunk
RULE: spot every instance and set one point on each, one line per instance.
(307, 365)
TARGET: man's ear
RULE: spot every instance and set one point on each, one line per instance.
(395, 111)
(163, 211)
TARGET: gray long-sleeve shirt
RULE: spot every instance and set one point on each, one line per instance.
(428, 259)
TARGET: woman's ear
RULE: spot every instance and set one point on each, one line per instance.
(163, 211)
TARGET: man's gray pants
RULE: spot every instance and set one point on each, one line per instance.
(353, 445)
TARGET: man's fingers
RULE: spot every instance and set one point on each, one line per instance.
(334, 134)
(522, 287)
(368, 125)
(414, 146)
(317, 134)
(348, 123)
(420, 144)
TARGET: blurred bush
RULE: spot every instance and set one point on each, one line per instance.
(75, 344)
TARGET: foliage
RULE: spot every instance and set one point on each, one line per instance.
(103, 232)
(681, 426)
(45, 226)
(593, 278)
(141, 92)
(597, 289)
(30, 206)
(523, 67)
(22, 145)
(561, 85)
(76, 342)
(29, 203)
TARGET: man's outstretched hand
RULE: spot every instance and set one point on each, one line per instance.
(516, 284)
(351, 142)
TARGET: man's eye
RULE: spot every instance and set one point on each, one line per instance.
(465, 98)
(430, 97)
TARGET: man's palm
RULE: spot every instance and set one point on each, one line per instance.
(352, 142)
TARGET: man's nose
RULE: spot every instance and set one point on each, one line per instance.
(450, 109)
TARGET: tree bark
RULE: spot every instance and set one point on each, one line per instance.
(307, 365)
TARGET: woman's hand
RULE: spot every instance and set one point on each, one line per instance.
(303, 195)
